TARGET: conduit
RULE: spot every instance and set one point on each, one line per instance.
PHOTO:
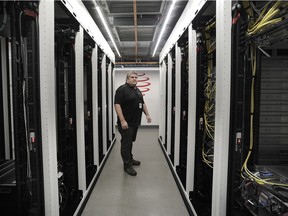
(135, 28)
(137, 63)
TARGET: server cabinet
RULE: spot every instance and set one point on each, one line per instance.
(208, 153)
(110, 94)
(104, 108)
(182, 167)
(169, 103)
(39, 136)
(21, 164)
(71, 94)
(258, 168)
(165, 71)
(100, 105)
(65, 33)
(95, 119)
(107, 98)
(240, 102)
(89, 45)
(205, 26)
(191, 127)
(112, 68)
(4, 95)
(172, 108)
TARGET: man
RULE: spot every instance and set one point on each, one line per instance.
(129, 105)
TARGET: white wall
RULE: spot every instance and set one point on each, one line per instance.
(148, 83)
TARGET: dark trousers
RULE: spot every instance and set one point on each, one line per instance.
(128, 136)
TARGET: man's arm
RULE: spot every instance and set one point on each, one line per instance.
(145, 110)
(120, 115)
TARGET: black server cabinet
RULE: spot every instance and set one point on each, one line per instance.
(112, 101)
(258, 170)
(182, 168)
(65, 33)
(201, 197)
(240, 103)
(2, 132)
(100, 105)
(21, 179)
(205, 26)
(173, 99)
(107, 113)
(89, 44)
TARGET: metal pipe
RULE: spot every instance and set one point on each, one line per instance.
(135, 28)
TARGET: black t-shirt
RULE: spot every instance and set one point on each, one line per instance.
(131, 101)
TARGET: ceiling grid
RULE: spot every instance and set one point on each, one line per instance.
(136, 29)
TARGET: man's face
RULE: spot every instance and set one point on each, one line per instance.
(132, 80)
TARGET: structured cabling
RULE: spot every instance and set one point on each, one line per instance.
(266, 19)
(265, 22)
(209, 95)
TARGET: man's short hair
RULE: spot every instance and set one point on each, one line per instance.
(129, 74)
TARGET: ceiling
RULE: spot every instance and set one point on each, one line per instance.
(135, 26)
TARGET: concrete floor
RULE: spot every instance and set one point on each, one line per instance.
(153, 192)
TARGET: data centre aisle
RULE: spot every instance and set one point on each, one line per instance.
(153, 192)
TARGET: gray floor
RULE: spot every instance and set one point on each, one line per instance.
(153, 192)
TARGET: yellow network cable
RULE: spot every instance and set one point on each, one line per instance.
(204, 155)
(253, 65)
(212, 25)
(244, 167)
(209, 92)
(263, 16)
(209, 134)
(266, 18)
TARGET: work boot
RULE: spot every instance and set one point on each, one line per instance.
(136, 162)
(130, 170)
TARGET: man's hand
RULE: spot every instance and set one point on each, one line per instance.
(149, 119)
(124, 125)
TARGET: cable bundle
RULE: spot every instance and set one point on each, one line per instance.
(267, 17)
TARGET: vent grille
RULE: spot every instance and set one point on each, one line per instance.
(127, 6)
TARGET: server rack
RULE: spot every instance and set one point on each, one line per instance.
(169, 103)
(240, 95)
(21, 165)
(112, 68)
(208, 117)
(166, 103)
(65, 33)
(104, 108)
(70, 16)
(201, 70)
(100, 105)
(182, 167)
(174, 69)
(107, 108)
(259, 126)
(3, 88)
(91, 168)
(205, 26)
(172, 111)
(163, 91)
(95, 107)
(110, 93)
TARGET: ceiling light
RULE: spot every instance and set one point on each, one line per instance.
(107, 29)
(164, 26)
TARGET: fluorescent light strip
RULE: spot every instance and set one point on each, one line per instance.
(164, 26)
(107, 29)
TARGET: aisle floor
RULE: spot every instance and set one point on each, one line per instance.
(153, 192)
